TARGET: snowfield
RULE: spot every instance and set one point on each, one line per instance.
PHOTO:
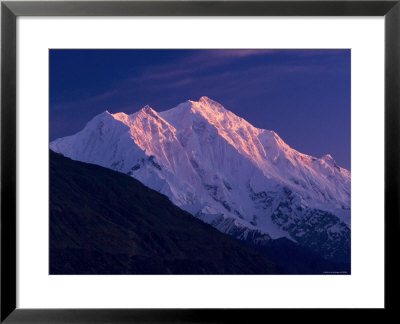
(245, 181)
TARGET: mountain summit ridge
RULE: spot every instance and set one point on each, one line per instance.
(243, 180)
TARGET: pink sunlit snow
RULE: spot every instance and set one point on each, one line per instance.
(215, 165)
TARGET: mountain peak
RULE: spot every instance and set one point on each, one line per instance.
(147, 109)
(205, 99)
(207, 106)
(105, 115)
(329, 159)
(210, 102)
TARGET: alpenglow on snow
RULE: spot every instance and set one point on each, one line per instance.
(245, 181)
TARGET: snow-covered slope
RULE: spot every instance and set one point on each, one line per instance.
(245, 181)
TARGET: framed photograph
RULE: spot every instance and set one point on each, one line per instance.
(198, 160)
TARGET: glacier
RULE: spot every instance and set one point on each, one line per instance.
(245, 181)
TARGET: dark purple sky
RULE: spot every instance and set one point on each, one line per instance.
(303, 95)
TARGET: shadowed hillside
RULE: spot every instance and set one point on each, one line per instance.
(106, 222)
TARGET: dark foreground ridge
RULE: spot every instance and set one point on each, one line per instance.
(105, 222)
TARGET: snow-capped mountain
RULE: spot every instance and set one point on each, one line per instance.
(245, 181)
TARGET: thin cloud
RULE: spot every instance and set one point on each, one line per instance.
(196, 62)
(188, 70)
(200, 60)
(89, 100)
(240, 53)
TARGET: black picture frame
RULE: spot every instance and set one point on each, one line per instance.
(10, 10)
